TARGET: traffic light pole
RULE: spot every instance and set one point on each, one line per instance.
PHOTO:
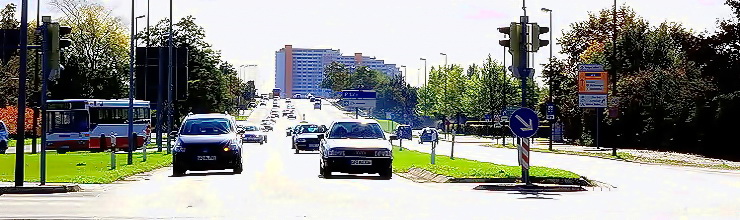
(522, 68)
(45, 70)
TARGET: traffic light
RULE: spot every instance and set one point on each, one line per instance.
(515, 37)
(10, 39)
(58, 40)
(535, 34)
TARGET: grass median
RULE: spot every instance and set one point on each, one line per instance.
(82, 167)
(464, 168)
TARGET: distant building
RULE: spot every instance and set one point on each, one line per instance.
(301, 70)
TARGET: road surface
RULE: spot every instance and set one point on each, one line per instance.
(278, 184)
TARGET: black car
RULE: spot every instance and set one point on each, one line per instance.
(207, 142)
(306, 137)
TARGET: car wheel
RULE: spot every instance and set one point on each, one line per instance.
(2, 151)
(239, 168)
(178, 170)
(325, 171)
(386, 173)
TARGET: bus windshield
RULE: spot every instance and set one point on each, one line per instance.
(68, 121)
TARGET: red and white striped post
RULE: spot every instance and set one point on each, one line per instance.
(523, 150)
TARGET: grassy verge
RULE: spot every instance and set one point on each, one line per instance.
(624, 156)
(388, 125)
(27, 142)
(464, 168)
(82, 167)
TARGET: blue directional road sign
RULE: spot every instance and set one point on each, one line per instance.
(524, 122)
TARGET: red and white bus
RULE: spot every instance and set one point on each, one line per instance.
(77, 124)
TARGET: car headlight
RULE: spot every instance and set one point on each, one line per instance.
(178, 148)
(383, 153)
(300, 140)
(333, 152)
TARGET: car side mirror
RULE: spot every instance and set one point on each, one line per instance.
(173, 134)
(394, 137)
(321, 136)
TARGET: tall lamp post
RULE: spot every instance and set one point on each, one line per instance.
(447, 128)
(614, 61)
(425, 70)
(549, 90)
(136, 43)
(404, 74)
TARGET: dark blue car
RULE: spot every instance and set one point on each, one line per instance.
(428, 135)
(404, 132)
(3, 137)
(207, 142)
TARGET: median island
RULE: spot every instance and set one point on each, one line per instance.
(465, 170)
(82, 167)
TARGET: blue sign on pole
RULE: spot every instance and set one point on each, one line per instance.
(488, 117)
(550, 111)
(524, 122)
(590, 68)
(359, 94)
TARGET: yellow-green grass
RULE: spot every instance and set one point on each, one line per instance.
(82, 167)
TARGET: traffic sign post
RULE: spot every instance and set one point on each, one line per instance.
(524, 124)
(551, 117)
(593, 87)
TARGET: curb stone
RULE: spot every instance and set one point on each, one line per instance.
(40, 189)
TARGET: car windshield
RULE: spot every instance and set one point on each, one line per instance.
(251, 128)
(356, 130)
(2, 127)
(206, 126)
(312, 129)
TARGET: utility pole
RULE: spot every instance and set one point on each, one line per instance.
(447, 95)
(22, 75)
(614, 68)
(549, 92)
(170, 102)
(131, 87)
(425, 70)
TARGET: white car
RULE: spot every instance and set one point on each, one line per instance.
(356, 146)
(253, 134)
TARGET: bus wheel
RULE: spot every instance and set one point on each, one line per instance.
(61, 151)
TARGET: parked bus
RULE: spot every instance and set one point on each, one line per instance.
(76, 124)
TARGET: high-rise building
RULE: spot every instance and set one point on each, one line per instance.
(301, 70)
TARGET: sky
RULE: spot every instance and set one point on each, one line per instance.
(399, 32)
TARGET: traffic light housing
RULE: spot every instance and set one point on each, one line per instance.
(9, 45)
(58, 41)
(536, 30)
(515, 37)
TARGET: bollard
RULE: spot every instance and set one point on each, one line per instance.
(112, 151)
(136, 144)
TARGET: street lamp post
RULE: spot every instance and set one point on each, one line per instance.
(136, 43)
(549, 92)
(447, 128)
(425, 70)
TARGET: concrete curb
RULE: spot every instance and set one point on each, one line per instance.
(422, 175)
(39, 189)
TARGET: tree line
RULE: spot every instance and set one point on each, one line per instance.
(97, 64)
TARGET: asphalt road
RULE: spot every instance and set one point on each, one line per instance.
(278, 184)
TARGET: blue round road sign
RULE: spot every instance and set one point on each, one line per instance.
(524, 122)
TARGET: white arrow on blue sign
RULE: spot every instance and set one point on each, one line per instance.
(524, 122)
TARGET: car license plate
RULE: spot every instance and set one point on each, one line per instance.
(206, 157)
(361, 162)
(313, 145)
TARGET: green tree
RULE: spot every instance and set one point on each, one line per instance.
(96, 65)
(336, 77)
(212, 83)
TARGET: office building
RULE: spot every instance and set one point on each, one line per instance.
(301, 70)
